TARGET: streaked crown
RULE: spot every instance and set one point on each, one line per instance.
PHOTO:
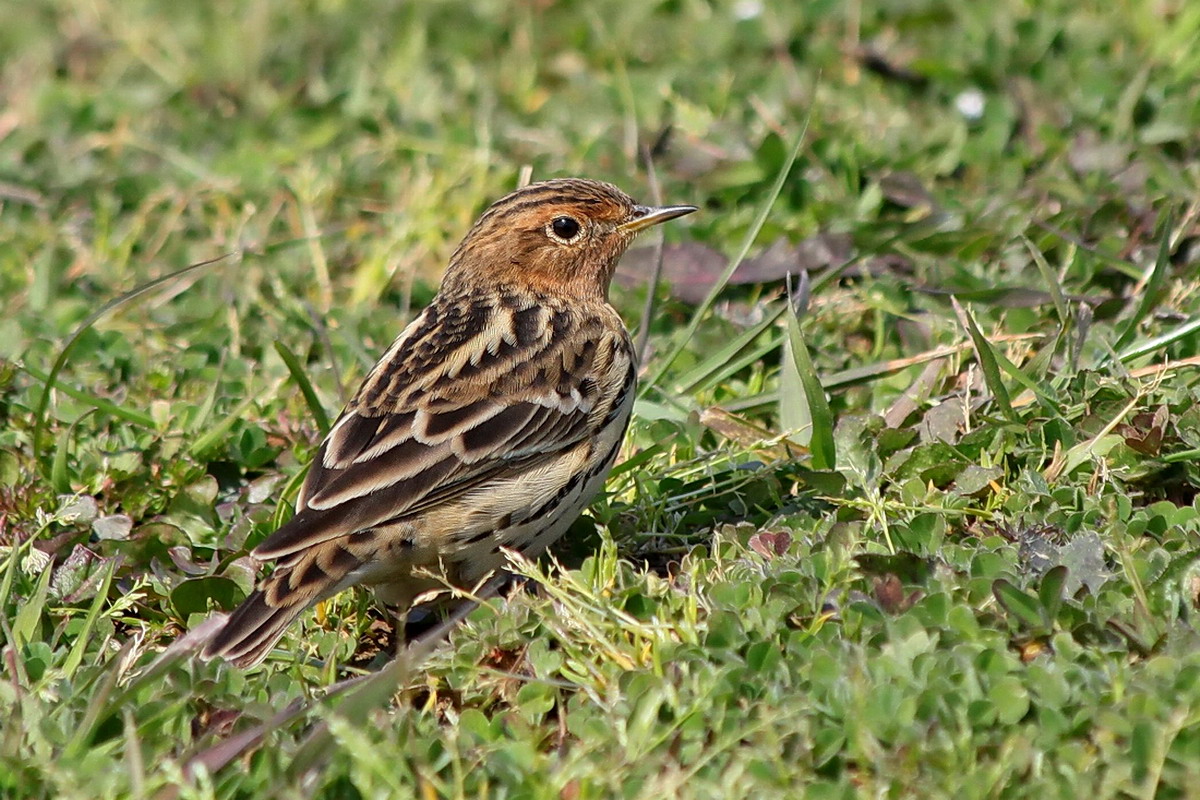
(561, 236)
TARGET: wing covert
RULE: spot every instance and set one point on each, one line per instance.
(429, 439)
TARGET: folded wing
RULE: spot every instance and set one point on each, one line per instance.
(445, 413)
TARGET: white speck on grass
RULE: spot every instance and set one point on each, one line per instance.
(747, 9)
(970, 103)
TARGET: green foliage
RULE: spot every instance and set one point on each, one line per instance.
(921, 522)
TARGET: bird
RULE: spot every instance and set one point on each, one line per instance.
(489, 423)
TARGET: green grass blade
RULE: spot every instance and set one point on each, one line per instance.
(1155, 285)
(809, 408)
(755, 355)
(285, 505)
(197, 421)
(1020, 605)
(214, 435)
(638, 460)
(1118, 263)
(1051, 280)
(1051, 591)
(376, 691)
(306, 387)
(987, 362)
(62, 452)
(751, 235)
(99, 707)
(11, 566)
(647, 159)
(51, 379)
(716, 367)
(1043, 393)
(130, 415)
(58, 465)
(30, 613)
(1158, 342)
(75, 657)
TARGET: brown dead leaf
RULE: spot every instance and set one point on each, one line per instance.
(781, 258)
(1032, 649)
(213, 720)
(907, 190)
(890, 595)
(748, 434)
(1145, 431)
(691, 269)
(889, 67)
(379, 638)
(770, 544)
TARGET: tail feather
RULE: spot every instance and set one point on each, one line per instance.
(258, 623)
(252, 630)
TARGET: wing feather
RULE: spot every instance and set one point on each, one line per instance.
(424, 429)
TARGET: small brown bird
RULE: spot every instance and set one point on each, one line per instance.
(489, 423)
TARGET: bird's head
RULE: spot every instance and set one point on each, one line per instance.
(563, 236)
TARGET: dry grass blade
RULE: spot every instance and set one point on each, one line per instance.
(1097, 446)
(749, 435)
(367, 694)
(912, 398)
(857, 375)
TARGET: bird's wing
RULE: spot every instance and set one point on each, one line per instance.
(470, 392)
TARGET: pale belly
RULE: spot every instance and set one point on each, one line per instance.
(467, 539)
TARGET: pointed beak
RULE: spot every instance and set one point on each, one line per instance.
(645, 216)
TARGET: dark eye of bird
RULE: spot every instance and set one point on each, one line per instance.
(565, 228)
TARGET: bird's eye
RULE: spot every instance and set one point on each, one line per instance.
(564, 229)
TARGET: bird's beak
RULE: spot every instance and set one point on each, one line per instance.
(645, 216)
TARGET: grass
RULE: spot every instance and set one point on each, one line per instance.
(969, 568)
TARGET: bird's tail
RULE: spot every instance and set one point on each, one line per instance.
(252, 630)
(257, 624)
